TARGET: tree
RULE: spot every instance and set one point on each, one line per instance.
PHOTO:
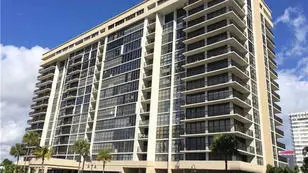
(17, 150)
(8, 166)
(304, 167)
(305, 151)
(296, 169)
(226, 145)
(105, 156)
(31, 139)
(43, 153)
(271, 169)
(82, 148)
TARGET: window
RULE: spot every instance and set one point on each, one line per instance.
(162, 132)
(111, 26)
(219, 125)
(195, 128)
(140, 12)
(220, 109)
(130, 17)
(119, 22)
(195, 112)
(197, 143)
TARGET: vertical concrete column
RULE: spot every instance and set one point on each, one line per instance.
(171, 93)
(45, 169)
(140, 93)
(150, 170)
(55, 119)
(98, 93)
(29, 169)
(154, 90)
(49, 108)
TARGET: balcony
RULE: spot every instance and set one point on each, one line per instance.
(202, 22)
(279, 132)
(199, 34)
(37, 113)
(46, 69)
(148, 65)
(246, 149)
(217, 98)
(274, 75)
(281, 145)
(43, 89)
(236, 84)
(278, 108)
(276, 97)
(147, 76)
(243, 130)
(282, 159)
(144, 123)
(278, 119)
(242, 74)
(142, 136)
(44, 82)
(40, 97)
(142, 150)
(272, 63)
(215, 8)
(271, 53)
(232, 41)
(46, 75)
(39, 104)
(150, 44)
(270, 43)
(275, 85)
(149, 54)
(38, 120)
(269, 32)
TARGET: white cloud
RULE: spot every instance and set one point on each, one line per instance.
(295, 19)
(294, 98)
(19, 68)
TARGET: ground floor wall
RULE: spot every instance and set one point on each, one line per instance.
(71, 166)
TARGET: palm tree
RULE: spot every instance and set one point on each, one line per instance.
(17, 150)
(304, 167)
(305, 151)
(105, 156)
(43, 153)
(31, 139)
(8, 166)
(226, 145)
(82, 147)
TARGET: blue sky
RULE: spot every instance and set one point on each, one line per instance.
(31, 27)
(50, 23)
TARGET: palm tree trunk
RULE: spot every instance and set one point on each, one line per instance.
(83, 164)
(28, 153)
(17, 163)
(226, 165)
(17, 160)
(43, 164)
(104, 163)
(24, 166)
(79, 166)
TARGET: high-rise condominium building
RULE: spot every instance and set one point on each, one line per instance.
(299, 127)
(156, 83)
